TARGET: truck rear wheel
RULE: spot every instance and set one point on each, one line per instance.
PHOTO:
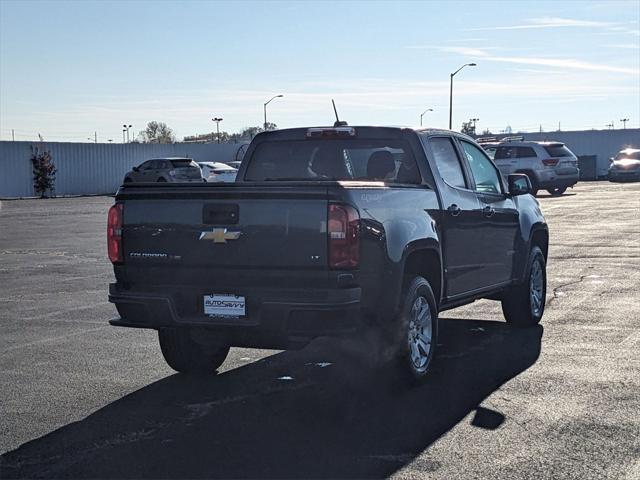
(523, 305)
(185, 355)
(417, 328)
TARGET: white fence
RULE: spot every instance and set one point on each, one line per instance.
(95, 168)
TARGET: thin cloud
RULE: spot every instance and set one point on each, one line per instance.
(468, 51)
(564, 63)
(567, 63)
(625, 46)
(550, 22)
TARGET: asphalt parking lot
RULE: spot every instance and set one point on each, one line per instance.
(81, 399)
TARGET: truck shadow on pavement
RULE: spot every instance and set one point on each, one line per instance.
(320, 412)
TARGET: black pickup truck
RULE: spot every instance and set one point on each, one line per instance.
(327, 230)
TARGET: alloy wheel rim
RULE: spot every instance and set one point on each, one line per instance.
(536, 288)
(419, 334)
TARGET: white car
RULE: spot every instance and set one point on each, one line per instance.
(549, 165)
(217, 172)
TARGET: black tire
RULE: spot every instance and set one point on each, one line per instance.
(557, 191)
(185, 355)
(161, 180)
(410, 358)
(519, 306)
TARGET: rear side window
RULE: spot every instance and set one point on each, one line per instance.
(381, 160)
(447, 161)
(506, 152)
(526, 152)
(183, 163)
(558, 150)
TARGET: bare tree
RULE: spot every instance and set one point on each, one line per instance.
(157, 132)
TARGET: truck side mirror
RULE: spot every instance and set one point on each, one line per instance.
(519, 184)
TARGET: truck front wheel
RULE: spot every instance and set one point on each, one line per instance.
(418, 328)
(523, 304)
(185, 355)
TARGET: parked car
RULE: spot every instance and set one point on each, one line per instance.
(328, 231)
(625, 165)
(170, 169)
(549, 165)
(217, 172)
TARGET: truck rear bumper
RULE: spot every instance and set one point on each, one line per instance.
(273, 320)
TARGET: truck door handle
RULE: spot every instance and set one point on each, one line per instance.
(454, 210)
(488, 211)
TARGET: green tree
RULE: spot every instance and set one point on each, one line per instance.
(157, 132)
(468, 128)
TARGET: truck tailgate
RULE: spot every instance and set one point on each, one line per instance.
(236, 225)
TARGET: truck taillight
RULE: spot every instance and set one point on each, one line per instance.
(114, 233)
(550, 162)
(343, 229)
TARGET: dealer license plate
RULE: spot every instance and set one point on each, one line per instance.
(224, 305)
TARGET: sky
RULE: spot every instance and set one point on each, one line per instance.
(69, 69)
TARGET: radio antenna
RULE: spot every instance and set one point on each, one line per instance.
(337, 123)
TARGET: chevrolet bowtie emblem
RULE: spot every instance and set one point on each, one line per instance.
(219, 235)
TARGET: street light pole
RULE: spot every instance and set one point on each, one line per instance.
(474, 120)
(451, 91)
(265, 109)
(422, 114)
(126, 129)
(217, 120)
(624, 123)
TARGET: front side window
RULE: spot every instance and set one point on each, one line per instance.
(447, 161)
(484, 173)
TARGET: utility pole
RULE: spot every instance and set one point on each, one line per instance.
(624, 123)
(95, 136)
(13, 135)
(217, 120)
(609, 125)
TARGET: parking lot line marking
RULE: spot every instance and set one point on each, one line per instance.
(631, 341)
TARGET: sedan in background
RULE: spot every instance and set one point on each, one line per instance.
(217, 172)
(170, 169)
(625, 165)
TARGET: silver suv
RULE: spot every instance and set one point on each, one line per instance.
(550, 166)
(170, 169)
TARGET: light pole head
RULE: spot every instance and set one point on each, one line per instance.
(471, 64)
